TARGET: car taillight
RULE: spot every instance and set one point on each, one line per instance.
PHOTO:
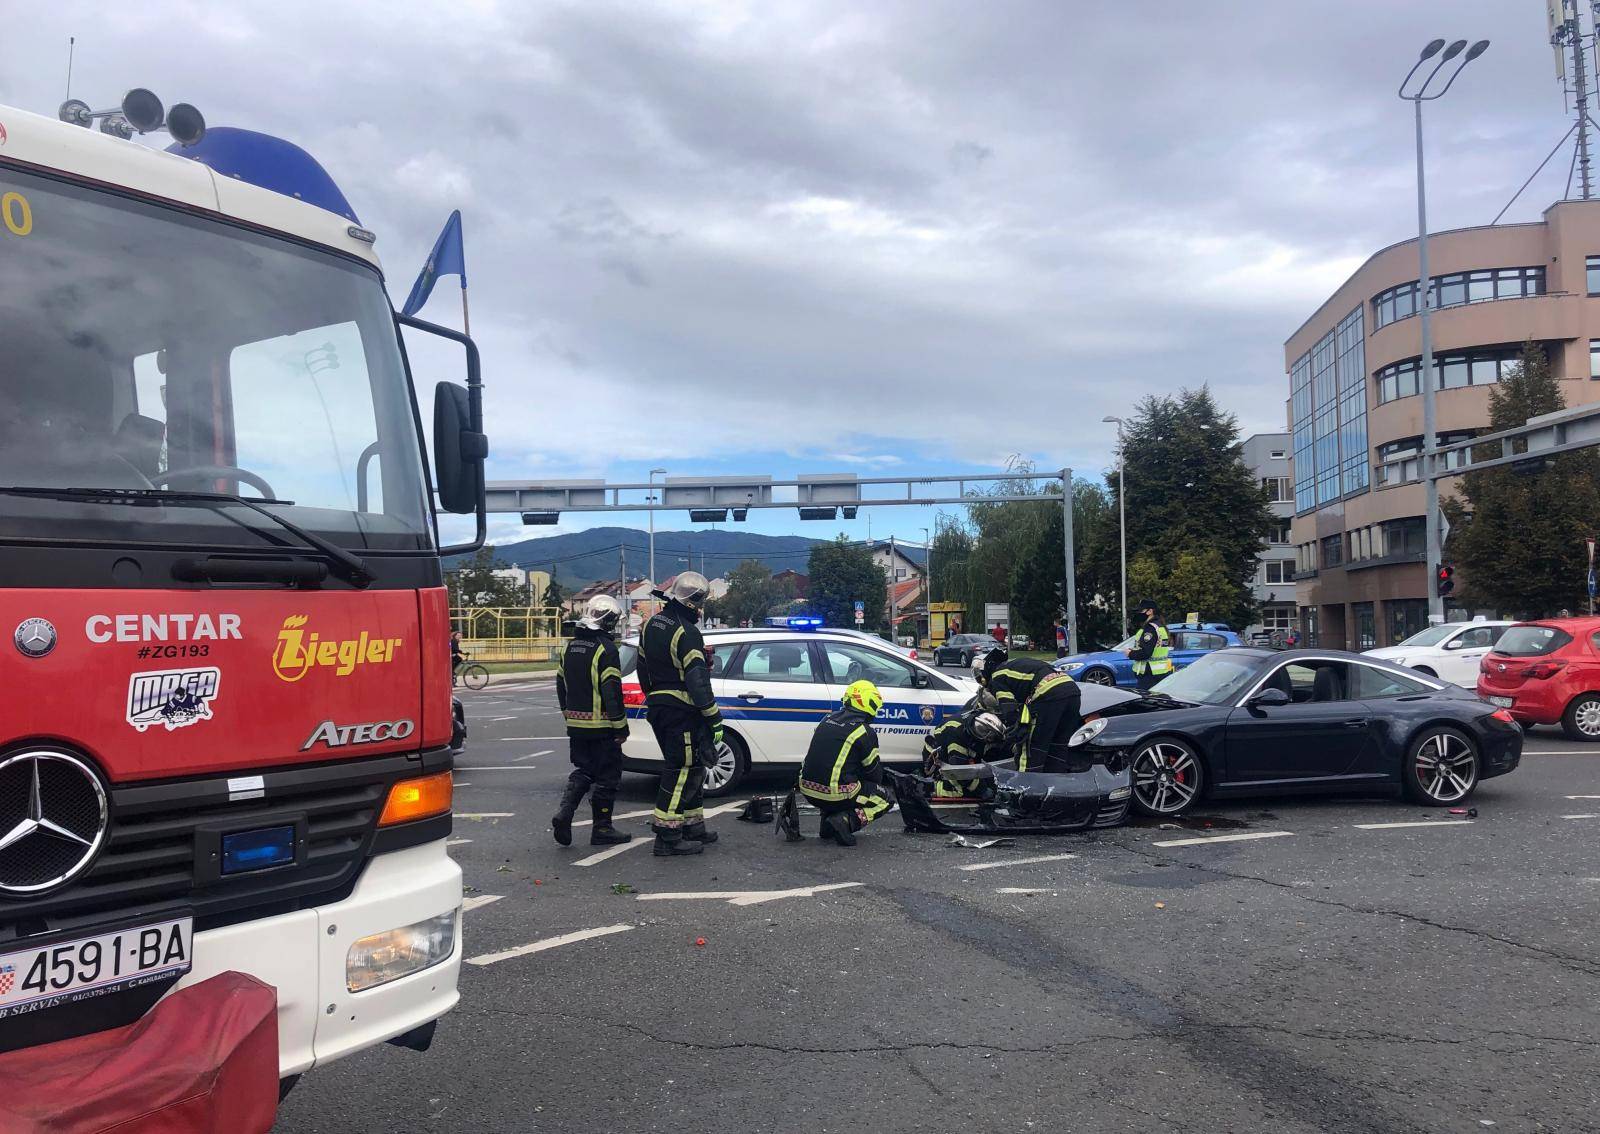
(914, 655)
(632, 694)
(1543, 669)
(1504, 715)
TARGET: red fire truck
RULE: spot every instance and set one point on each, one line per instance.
(225, 710)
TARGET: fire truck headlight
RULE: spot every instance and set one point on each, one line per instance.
(394, 953)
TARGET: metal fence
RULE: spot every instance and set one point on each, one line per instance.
(508, 633)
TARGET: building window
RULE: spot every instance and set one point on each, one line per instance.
(899, 572)
(1277, 616)
(1279, 533)
(1328, 412)
(1452, 371)
(1593, 270)
(1400, 302)
(1594, 358)
(1280, 570)
(1332, 551)
(1277, 455)
(1407, 537)
(1406, 617)
(1311, 624)
(1366, 625)
(1280, 489)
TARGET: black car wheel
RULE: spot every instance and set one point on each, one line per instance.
(1441, 767)
(1581, 721)
(1097, 676)
(1168, 777)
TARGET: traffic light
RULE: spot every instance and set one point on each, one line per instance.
(1444, 578)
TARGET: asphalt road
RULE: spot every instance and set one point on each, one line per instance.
(1325, 976)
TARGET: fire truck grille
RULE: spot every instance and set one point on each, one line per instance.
(163, 846)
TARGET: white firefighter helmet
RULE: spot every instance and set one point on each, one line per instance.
(988, 728)
(689, 588)
(601, 613)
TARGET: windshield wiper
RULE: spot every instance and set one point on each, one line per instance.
(345, 565)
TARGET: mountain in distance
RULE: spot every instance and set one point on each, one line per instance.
(579, 558)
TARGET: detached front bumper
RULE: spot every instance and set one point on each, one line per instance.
(303, 955)
(1022, 803)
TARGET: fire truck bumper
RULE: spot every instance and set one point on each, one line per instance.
(308, 957)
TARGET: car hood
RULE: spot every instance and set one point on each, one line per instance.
(1085, 659)
(1391, 653)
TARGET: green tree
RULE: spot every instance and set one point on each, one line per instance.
(751, 593)
(474, 583)
(1188, 488)
(1517, 535)
(1198, 582)
(843, 574)
(554, 593)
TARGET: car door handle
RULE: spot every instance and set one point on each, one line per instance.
(753, 698)
(1356, 722)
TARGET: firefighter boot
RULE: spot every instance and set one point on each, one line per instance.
(561, 821)
(603, 834)
(697, 832)
(671, 843)
(838, 827)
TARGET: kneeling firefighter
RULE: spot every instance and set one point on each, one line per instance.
(589, 691)
(842, 774)
(683, 714)
(973, 736)
(1039, 704)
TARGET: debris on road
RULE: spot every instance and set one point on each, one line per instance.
(699, 942)
(622, 888)
(978, 844)
(1161, 905)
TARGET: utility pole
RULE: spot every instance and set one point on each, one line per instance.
(891, 586)
(1071, 596)
(622, 595)
(651, 497)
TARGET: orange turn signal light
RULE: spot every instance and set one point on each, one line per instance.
(419, 798)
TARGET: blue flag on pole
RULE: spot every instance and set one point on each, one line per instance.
(447, 258)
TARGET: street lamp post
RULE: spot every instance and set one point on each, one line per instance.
(927, 579)
(1122, 516)
(1425, 294)
(651, 498)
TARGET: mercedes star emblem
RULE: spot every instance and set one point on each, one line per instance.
(53, 818)
(35, 637)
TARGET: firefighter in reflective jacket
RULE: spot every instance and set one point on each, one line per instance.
(1039, 705)
(1150, 654)
(682, 712)
(970, 738)
(842, 774)
(589, 691)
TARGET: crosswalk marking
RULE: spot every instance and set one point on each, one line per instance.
(747, 897)
(1239, 837)
(486, 814)
(478, 901)
(1416, 823)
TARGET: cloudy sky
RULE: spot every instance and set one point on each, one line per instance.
(883, 236)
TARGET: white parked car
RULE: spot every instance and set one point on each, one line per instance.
(1450, 650)
(775, 683)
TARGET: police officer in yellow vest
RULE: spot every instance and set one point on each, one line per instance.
(1151, 654)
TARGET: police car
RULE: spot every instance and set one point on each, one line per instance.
(774, 683)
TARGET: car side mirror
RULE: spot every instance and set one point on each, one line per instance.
(1267, 698)
(458, 450)
(919, 680)
(1455, 644)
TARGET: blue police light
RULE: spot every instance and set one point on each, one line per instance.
(245, 851)
(269, 162)
(804, 623)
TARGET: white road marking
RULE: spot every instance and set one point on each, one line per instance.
(1581, 817)
(486, 814)
(456, 842)
(498, 768)
(748, 897)
(499, 738)
(1016, 862)
(548, 943)
(1583, 797)
(1023, 890)
(1418, 823)
(479, 900)
(1552, 752)
(622, 815)
(1239, 837)
(612, 852)
(460, 783)
(497, 720)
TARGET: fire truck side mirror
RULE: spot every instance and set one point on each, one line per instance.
(458, 450)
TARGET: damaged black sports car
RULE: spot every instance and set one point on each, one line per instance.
(1087, 789)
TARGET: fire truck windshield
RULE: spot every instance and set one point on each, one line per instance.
(142, 347)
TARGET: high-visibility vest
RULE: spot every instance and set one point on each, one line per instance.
(1160, 661)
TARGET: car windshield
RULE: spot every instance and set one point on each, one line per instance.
(1214, 679)
(1531, 641)
(1432, 636)
(150, 348)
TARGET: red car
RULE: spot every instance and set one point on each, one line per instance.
(1547, 672)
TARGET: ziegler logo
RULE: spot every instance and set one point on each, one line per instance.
(297, 651)
(337, 736)
(172, 698)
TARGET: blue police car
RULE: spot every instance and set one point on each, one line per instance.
(1189, 640)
